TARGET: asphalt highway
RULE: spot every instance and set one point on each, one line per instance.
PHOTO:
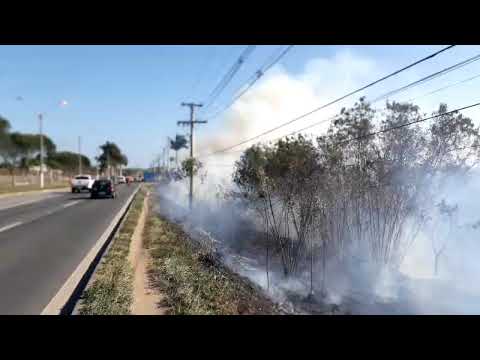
(43, 238)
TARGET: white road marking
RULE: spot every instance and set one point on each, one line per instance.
(42, 215)
(11, 226)
(28, 202)
(20, 204)
(71, 204)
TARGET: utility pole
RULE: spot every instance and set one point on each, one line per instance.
(167, 153)
(108, 165)
(40, 121)
(192, 122)
(164, 157)
(80, 155)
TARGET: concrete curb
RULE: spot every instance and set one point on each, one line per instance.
(64, 296)
(75, 308)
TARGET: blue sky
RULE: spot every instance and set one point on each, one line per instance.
(131, 94)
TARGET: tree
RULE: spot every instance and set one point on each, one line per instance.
(281, 178)
(67, 161)
(190, 167)
(15, 148)
(356, 194)
(14, 151)
(30, 146)
(4, 126)
(4, 136)
(111, 155)
(179, 143)
(19, 150)
(376, 184)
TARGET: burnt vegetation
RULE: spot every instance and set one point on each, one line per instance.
(365, 188)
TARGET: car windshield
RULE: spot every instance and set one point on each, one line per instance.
(102, 182)
(82, 178)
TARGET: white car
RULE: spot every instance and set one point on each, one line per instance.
(122, 179)
(82, 182)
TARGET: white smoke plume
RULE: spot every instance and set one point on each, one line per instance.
(280, 97)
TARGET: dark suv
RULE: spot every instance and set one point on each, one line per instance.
(103, 188)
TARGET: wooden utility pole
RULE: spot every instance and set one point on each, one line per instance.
(191, 122)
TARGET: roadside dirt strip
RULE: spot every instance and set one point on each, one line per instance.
(62, 300)
(146, 299)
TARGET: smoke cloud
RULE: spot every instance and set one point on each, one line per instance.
(414, 288)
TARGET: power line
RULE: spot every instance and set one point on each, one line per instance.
(339, 99)
(406, 124)
(429, 77)
(223, 65)
(417, 82)
(370, 134)
(444, 88)
(412, 84)
(455, 149)
(208, 59)
(254, 78)
(229, 75)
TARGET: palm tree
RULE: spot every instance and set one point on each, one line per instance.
(179, 143)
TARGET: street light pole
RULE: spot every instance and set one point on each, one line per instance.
(40, 120)
(80, 155)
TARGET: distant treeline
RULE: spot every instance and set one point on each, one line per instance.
(21, 152)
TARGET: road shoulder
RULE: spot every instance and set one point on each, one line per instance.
(146, 299)
(110, 290)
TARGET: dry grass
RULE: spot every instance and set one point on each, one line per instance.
(111, 292)
(193, 282)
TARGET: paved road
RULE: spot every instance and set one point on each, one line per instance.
(8, 201)
(42, 242)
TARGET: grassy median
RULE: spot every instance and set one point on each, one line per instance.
(111, 292)
(192, 282)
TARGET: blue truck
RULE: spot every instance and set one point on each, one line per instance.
(150, 177)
